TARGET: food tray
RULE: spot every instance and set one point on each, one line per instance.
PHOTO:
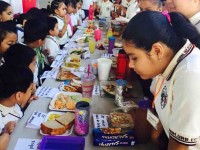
(65, 74)
(52, 103)
(62, 143)
(68, 132)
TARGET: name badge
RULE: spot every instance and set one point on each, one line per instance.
(152, 119)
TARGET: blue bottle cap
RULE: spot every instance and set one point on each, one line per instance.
(121, 82)
(111, 38)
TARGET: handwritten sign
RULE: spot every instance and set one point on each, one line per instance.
(27, 144)
(56, 64)
(96, 90)
(36, 119)
(50, 74)
(46, 92)
(100, 121)
(106, 55)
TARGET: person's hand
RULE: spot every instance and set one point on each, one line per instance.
(10, 126)
(46, 52)
(66, 19)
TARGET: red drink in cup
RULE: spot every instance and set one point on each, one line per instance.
(87, 85)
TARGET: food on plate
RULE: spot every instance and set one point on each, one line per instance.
(64, 74)
(118, 44)
(74, 61)
(89, 31)
(66, 101)
(100, 46)
(76, 51)
(58, 126)
(69, 88)
(53, 117)
(121, 120)
(109, 88)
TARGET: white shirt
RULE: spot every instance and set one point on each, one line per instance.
(87, 3)
(127, 4)
(132, 10)
(195, 20)
(51, 43)
(63, 40)
(20, 33)
(74, 19)
(10, 113)
(1, 123)
(178, 101)
(106, 8)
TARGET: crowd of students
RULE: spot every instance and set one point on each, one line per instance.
(29, 44)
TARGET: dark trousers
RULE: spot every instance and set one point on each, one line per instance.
(86, 12)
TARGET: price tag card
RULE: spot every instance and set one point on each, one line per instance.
(62, 52)
(56, 64)
(86, 55)
(152, 119)
(96, 90)
(46, 92)
(60, 57)
(36, 119)
(100, 121)
(106, 55)
(50, 74)
(27, 144)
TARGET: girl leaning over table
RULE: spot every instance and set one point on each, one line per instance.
(170, 51)
(15, 89)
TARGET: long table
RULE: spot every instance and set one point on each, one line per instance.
(99, 105)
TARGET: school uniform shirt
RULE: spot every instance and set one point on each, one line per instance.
(51, 43)
(20, 33)
(87, 3)
(126, 4)
(1, 124)
(132, 10)
(106, 8)
(177, 97)
(74, 20)
(10, 113)
(63, 40)
(195, 20)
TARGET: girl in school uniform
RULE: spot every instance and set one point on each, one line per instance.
(58, 9)
(6, 12)
(104, 8)
(168, 45)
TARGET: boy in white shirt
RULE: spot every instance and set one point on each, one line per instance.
(105, 7)
(51, 42)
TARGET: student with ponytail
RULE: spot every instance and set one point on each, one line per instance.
(168, 45)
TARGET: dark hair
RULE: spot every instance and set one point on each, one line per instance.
(13, 80)
(70, 2)
(3, 6)
(19, 56)
(55, 4)
(51, 21)
(149, 27)
(34, 13)
(34, 30)
(7, 27)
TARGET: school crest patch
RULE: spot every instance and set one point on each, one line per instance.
(107, 9)
(164, 96)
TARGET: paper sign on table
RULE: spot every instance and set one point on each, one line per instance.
(96, 90)
(50, 74)
(62, 52)
(46, 91)
(106, 55)
(79, 72)
(100, 121)
(86, 55)
(36, 119)
(27, 144)
(56, 64)
(60, 57)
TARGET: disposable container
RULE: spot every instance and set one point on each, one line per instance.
(62, 143)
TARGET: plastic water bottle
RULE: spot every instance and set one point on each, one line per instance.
(91, 13)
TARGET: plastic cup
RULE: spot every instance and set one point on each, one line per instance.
(111, 44)
(104, 65)
(92, 45)
(87, 85)
(97, 34)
